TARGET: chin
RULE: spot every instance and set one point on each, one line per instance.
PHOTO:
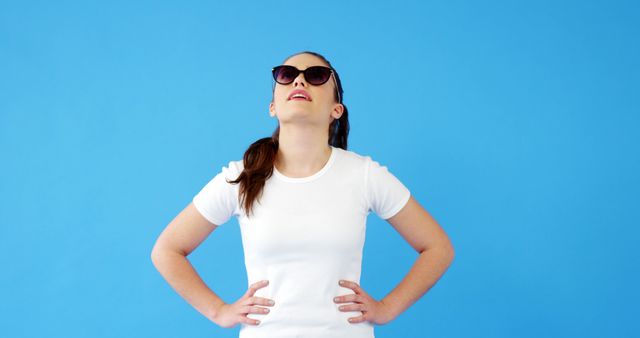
(294, 112)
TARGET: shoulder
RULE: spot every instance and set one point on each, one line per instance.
(236, 166)
(231, 169)
(354, 159)
(370, 166)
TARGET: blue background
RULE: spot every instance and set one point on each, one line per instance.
(515, 124)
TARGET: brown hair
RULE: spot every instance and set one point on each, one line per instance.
(259, 158)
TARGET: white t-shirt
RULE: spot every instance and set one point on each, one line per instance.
(304, 236)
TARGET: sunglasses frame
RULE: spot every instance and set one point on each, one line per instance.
(304, 73)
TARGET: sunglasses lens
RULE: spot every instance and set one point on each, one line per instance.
(285, 74)
(317, 75)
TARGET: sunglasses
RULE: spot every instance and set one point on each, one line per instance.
(314, 75)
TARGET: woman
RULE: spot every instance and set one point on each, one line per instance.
(302, 200)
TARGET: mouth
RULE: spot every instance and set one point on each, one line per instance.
(299, 95)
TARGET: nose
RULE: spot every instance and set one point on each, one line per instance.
(299, 80)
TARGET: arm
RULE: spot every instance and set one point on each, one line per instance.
(436, 253)
(185, 232)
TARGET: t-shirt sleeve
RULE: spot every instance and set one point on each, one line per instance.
(385, 193)
(217, 201)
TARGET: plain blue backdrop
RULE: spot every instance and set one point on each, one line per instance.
(515, 124)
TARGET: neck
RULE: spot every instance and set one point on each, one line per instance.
(302, 150)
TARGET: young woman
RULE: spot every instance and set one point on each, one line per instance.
(302, 200)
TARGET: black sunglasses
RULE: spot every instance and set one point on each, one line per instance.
(315, 75)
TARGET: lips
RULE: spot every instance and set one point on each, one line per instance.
(306, 95)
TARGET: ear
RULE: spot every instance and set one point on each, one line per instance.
(337, 111)
(272, 109)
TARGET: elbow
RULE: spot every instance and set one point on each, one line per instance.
(160, 253)
(154, 256)
(157, 252)
(446, 252)
(452, 254)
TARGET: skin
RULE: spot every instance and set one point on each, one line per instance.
(436, 253)
(303, 141)
(303, 151)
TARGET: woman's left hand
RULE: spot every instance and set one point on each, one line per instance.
(374, 311)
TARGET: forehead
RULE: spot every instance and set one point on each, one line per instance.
(304, 61)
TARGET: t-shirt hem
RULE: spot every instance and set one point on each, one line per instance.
(206, 215)
(397, 209)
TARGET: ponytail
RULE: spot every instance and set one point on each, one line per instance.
(259, 158)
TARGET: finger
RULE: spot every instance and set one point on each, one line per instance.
(249, 321)
(254, 309)
(349, 298)
(351, 307)
(258, 301)
(358, 319)
(255, 286)
(349, 284)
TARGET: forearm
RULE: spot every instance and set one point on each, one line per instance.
(425, 272)
(184, 279)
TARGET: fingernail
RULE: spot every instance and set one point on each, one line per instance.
(265, 281)
(341, 282)
(271, 302)
(335, 299)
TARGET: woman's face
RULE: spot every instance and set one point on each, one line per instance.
(321, 106)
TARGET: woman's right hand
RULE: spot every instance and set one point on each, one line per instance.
(229, 315)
